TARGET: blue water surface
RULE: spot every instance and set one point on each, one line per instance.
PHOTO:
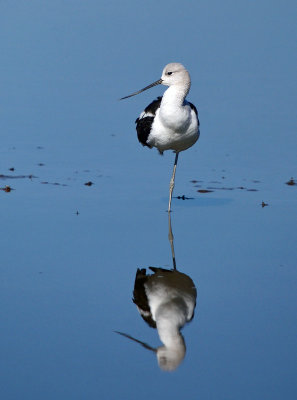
(70, 251)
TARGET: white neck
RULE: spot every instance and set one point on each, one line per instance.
(173, 352)
(175, 95)
(170, 318)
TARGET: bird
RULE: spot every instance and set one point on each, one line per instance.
(166, 300)
(170, 122)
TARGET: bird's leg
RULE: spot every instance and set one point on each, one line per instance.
(171, 241)
(171, 186)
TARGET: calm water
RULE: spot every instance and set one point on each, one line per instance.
(70, 251)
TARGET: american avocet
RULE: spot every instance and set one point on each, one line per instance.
(170, 122)
(166, 300)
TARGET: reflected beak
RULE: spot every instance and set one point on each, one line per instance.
(142, 90)
(145, 345)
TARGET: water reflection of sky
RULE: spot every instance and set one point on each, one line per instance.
(69, 252)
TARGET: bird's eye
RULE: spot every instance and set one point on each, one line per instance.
(169, 73)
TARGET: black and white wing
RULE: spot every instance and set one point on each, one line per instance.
(195, 111)
(145, 121)
(140, 297)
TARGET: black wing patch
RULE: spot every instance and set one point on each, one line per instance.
(153, 107)
(144, 124)
(140, 297)
(158, 269)
(195, 110)
(143, 128)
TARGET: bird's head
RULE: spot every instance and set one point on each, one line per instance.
(175, 74)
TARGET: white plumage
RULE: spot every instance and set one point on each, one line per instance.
(170, 122)
(166, 300)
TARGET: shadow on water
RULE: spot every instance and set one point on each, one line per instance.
(166, 300)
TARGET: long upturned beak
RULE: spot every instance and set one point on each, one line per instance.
(145, 345)
(142, 90)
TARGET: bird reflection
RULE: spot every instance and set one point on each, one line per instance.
(166, 300)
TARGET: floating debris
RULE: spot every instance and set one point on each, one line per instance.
(212, 188)
(53, 183)
(204, 191)
(11, 169)
(89, 183)
(183, 197)
(6, 189)
(40, 164)
(17, 176)
(291, 182)
(264, 204)
(248, 190)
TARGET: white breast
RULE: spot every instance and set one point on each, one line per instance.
(174, 131)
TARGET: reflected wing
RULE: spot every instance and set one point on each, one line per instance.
(140, 297)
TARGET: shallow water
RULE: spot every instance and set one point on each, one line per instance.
(87, 207)
(69, 257)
